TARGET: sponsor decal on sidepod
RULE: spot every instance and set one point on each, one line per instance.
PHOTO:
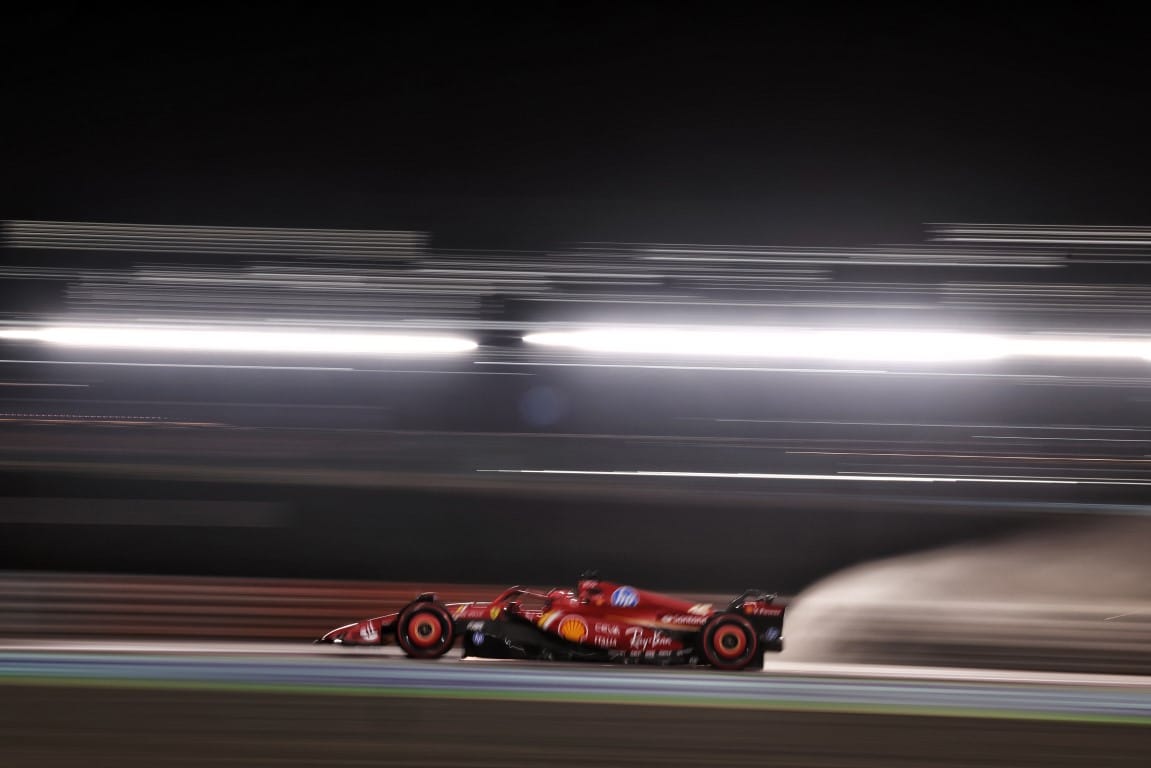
(573, 628)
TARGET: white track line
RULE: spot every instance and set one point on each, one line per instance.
(772, 667)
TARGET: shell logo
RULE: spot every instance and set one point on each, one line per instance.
(573, 629)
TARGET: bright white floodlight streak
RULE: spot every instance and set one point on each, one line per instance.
(835, 345)
(217, 340)
(890, 346)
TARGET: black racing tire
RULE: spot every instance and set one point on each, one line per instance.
(729, 642)
(425, 630)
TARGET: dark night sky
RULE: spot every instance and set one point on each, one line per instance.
(539, 127)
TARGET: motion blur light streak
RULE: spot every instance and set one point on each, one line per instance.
(1076, 234)
(166, 238)
(782, 476)
(1087, 348)
(180, 365)
(901, 255)
(192, 339)
(971, 456)
(840, 345)
(893, 346)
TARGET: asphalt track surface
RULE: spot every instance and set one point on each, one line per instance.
(125, 703)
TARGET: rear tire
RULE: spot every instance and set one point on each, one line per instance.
(729, 642)
(425, 630)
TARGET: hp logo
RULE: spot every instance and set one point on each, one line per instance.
(625, 597)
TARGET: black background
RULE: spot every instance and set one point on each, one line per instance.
(821, 125)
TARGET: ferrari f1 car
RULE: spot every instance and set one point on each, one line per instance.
(598, 621)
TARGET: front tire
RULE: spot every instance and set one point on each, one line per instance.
(729, 642)
(425, 631)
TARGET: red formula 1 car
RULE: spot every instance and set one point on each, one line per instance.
(598, 621)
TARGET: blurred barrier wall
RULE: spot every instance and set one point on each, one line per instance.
(70, 605)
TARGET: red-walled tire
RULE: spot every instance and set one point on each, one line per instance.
(729, 642)
(425, 630)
